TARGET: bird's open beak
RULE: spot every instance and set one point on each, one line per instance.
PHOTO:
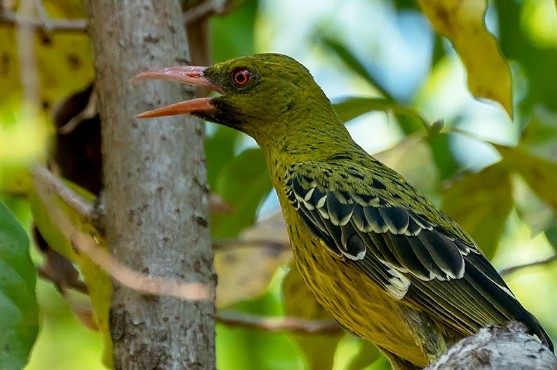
(189, 75)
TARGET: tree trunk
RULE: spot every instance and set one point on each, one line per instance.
(155, 194)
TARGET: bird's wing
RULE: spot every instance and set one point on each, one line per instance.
(404, 251)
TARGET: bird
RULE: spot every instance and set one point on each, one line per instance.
(383, 260)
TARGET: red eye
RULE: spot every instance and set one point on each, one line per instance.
(241, 77)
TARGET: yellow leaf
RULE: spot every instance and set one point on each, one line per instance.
(462, 22)
(64, 59)
(247, 265)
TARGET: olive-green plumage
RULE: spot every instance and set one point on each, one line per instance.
(382, 259)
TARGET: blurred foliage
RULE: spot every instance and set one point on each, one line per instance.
(496, 178)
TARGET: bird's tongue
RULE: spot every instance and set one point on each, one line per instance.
(189, 75)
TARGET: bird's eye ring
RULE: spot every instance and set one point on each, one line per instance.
(241, 77)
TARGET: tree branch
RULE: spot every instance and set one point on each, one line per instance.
(542, 262)
(278, 324)
(137, 281)
(204, 10)
(44, 179)
(496, 347)
(49, 25)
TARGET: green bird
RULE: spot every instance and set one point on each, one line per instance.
(382, 259)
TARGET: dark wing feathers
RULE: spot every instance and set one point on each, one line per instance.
(408, 255)
(398, 237)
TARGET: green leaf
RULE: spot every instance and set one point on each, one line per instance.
(19, 312)
(98, 281)
(219, 149)
(443, 155)
(350, 108)
(481, 203)
(319, 349)
(243, 183)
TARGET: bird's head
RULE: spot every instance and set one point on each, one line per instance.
(260, 95)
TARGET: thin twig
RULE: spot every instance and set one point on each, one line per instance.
(279, 324)
(542, 262)
(143, 283)
(28, 72)
(43, 177)
(249, 243)
(52, 25)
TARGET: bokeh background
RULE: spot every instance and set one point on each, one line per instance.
(390, 74)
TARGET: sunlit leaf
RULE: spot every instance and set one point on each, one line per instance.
(247, 265)
(541, 177)
(412, 158)
(23, 140)
(19, 318)
(243, 183)
(481, 203)
(536, 213)
(48, 217)
(319, 349)
(540, 174)
(462, 22)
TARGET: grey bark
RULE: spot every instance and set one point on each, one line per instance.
(497, 348)
(155, 194)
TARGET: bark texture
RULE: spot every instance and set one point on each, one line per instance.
(155, 192)
(497, 348)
